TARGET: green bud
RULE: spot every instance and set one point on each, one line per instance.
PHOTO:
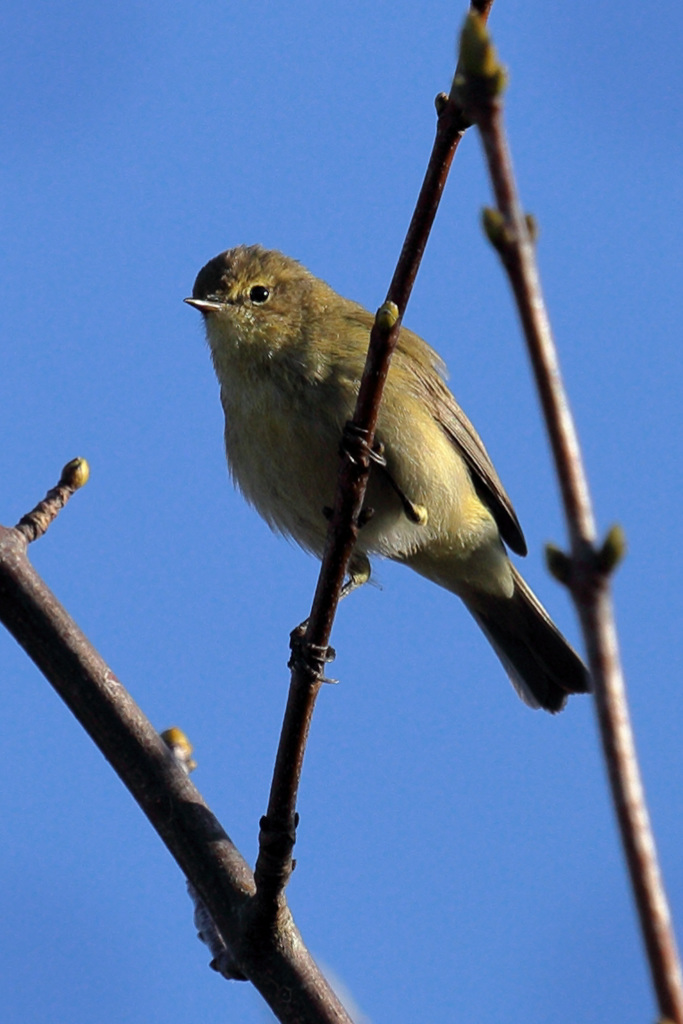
(493, 223)
(387, 316)
(478, 57)
(613, 550)
(559, 564)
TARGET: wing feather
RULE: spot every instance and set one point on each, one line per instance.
(428, 372)
(424, 371)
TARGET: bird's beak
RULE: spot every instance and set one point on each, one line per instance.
(203, 305)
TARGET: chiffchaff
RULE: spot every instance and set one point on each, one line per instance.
(289, 354)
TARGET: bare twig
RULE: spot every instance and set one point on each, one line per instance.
(33, 525)
(310, 648)
(275, 960)
(587, 571)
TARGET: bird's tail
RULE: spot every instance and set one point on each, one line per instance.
(542, 666)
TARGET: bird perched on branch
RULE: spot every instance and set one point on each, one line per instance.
(289, 354)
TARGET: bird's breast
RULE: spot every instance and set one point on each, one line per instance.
(282, 442)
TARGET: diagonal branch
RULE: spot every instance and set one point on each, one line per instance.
(276, 960)
(310, 650)
(249, 911)
(588, 569)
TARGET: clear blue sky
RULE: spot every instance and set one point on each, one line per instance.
(457, 856)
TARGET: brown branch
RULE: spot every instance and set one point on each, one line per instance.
(588, 569)
(262, 942)
(310, 651)
(275, 960)
(34, 524)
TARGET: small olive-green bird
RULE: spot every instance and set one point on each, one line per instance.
(289, 353)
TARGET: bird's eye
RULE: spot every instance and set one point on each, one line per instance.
(259, 294)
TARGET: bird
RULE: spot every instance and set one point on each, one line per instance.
(289, 354)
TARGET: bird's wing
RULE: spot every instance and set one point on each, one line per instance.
(428, 370)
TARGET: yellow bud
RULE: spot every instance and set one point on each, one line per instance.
(180, 746)
(387, 315)
(75, 474)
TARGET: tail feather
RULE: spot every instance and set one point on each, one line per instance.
(541, 665)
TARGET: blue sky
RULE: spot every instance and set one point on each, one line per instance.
(457, 856)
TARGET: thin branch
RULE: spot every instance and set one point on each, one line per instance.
(35, 523)
(274, 960)
(262, 940)
(310, 651)
(588, 569)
